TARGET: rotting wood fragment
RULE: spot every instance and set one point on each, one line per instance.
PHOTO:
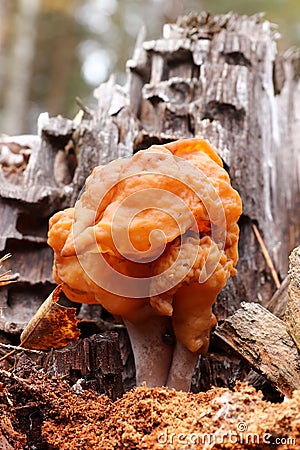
(93, 363)
(292, 315)
(262, 339)
(95, 359)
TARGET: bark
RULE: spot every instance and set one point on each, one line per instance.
(93, 363)
(262, 340)
(29, 194)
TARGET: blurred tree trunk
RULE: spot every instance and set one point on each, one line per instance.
(62, 65)
(4, 9)
(5, 20)
(20, 67)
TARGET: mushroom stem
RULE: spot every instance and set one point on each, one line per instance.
(182, 367)
(152, 356)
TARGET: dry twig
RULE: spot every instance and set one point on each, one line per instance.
(266, 256)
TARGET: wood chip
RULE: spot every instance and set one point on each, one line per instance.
(262, 339)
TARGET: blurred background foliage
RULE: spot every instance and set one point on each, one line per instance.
(52, 51)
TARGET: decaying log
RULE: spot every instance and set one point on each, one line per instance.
(93, 362)
(262, 339)
(292, 315)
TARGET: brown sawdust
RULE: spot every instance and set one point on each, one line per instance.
(148, 418)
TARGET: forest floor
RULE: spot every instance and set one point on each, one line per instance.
(38, 412)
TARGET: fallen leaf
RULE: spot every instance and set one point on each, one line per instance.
(53, 325)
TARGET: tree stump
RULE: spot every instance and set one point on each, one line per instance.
(219, 77)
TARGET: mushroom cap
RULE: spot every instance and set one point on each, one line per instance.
(138, 222)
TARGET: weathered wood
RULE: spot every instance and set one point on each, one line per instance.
(96, 359)
(292, 314)
(93, 362)
(36, 180)
(278, 302)
(263, 341)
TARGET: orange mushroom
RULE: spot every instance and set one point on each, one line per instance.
(153, 239)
